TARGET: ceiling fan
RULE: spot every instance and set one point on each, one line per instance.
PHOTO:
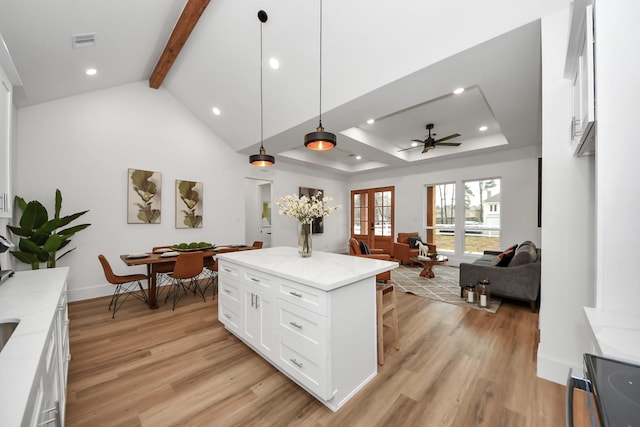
(430, 143)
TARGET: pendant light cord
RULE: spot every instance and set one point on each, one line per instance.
(261, 109)
(320, 118)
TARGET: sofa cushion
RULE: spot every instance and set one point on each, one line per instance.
(404, 237)
(530, 248)
(413, 242)
(364, 248)
(520, 258)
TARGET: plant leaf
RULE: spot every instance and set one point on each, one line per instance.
(18, 231)
(20, 203)
(34, 215)
(53, 243)
(72, 230)
(58, 203)
(70, 250)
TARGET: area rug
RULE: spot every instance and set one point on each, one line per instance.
(443, 287)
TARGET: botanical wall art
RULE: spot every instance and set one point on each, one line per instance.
(317, 226)
(144, 195)
(188, 204)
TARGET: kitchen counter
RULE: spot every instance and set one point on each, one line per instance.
(32, 298)
(616, 335)
(322, 270)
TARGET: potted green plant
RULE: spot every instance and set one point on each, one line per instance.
(40, 237)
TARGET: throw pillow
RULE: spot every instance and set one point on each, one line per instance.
(413, 242)
(364, 248)
(522, 257)
(504, 258)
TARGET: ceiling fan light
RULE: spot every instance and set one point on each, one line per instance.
(320, 140)
(263, 159)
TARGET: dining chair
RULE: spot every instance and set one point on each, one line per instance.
(162, 272)
(189, 266)
(124, 285)
(257, 244)
(383, 308)
(211, 272)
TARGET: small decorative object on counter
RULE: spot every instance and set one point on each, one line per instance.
(483, 293)
(469, 293)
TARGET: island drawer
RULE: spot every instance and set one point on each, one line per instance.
(230, 289)
(308, 369)
(229, 314)
(257, 279)
(226, 271)
(303, 327)
(304, 296)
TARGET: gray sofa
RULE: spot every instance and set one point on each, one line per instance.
(519, 279)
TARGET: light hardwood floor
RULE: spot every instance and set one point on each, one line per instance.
(456, 367)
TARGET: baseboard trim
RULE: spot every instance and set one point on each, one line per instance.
(552, 369)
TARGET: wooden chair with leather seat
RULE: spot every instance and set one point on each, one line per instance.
(162, 271)
(257, 244)
(383, 308)
(354, 249)
(211, 272)
(188, 267)
(126, 284)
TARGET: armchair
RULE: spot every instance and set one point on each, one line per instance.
(354, 250)
(403, 252)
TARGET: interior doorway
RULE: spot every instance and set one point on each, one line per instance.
(257, 205)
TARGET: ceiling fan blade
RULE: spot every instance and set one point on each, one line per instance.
(410, 148)
(455, 135)
(421, 141)
(449, 144)
(427, 148)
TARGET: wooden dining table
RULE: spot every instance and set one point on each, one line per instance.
(154, 260)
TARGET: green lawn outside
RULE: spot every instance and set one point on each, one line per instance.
(473, 243)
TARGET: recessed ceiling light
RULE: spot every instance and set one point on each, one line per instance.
(414, 144)
(483, 128)
(274, 63)
(458, 91)
(91, 71)
(358, 157)
(370, 121)
(216, 111)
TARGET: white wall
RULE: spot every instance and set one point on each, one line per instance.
(518, 170)
(568, 223)
(85, 144)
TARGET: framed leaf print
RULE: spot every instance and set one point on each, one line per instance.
(144, 197)
(188, 204)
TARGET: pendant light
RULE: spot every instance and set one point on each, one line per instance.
(320, 140)
(262, 158)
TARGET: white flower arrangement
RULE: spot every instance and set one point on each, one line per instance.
(305, 209)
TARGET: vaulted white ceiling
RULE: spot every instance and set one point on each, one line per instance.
(395, 61)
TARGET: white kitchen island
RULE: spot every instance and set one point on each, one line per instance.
(312, 318)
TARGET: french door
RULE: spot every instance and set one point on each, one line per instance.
(372, 217)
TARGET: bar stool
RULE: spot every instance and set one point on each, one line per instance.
(383, 289)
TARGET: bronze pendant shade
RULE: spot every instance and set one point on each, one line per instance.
(261, 159)
(320, 140)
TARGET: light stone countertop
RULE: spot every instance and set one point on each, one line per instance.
(32, 298)
(322, 270)
(617, 335)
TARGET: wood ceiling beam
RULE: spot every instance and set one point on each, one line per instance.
(190, 15)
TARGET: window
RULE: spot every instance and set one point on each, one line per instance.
(482, 215)
(478, 221)
(441, 215)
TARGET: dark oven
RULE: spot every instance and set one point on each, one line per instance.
(613, 393)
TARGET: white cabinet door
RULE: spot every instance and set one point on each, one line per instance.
(258, 313)
(5, 144)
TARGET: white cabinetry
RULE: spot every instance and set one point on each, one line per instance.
(580, 69)
(322, 337)
(6, 108)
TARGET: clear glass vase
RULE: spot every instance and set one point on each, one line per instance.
(304, 241)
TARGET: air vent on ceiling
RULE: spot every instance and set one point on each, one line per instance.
(83, 40)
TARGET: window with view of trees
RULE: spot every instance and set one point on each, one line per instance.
(478, 222)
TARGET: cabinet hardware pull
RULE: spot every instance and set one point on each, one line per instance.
(227, 270)
(227, 316)
(297, 325)
(252, 295)
(295, 362)
(227, 291)
(255, 280)
(295, 294)
(49, 421)
(44, 411)
(256, 300)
